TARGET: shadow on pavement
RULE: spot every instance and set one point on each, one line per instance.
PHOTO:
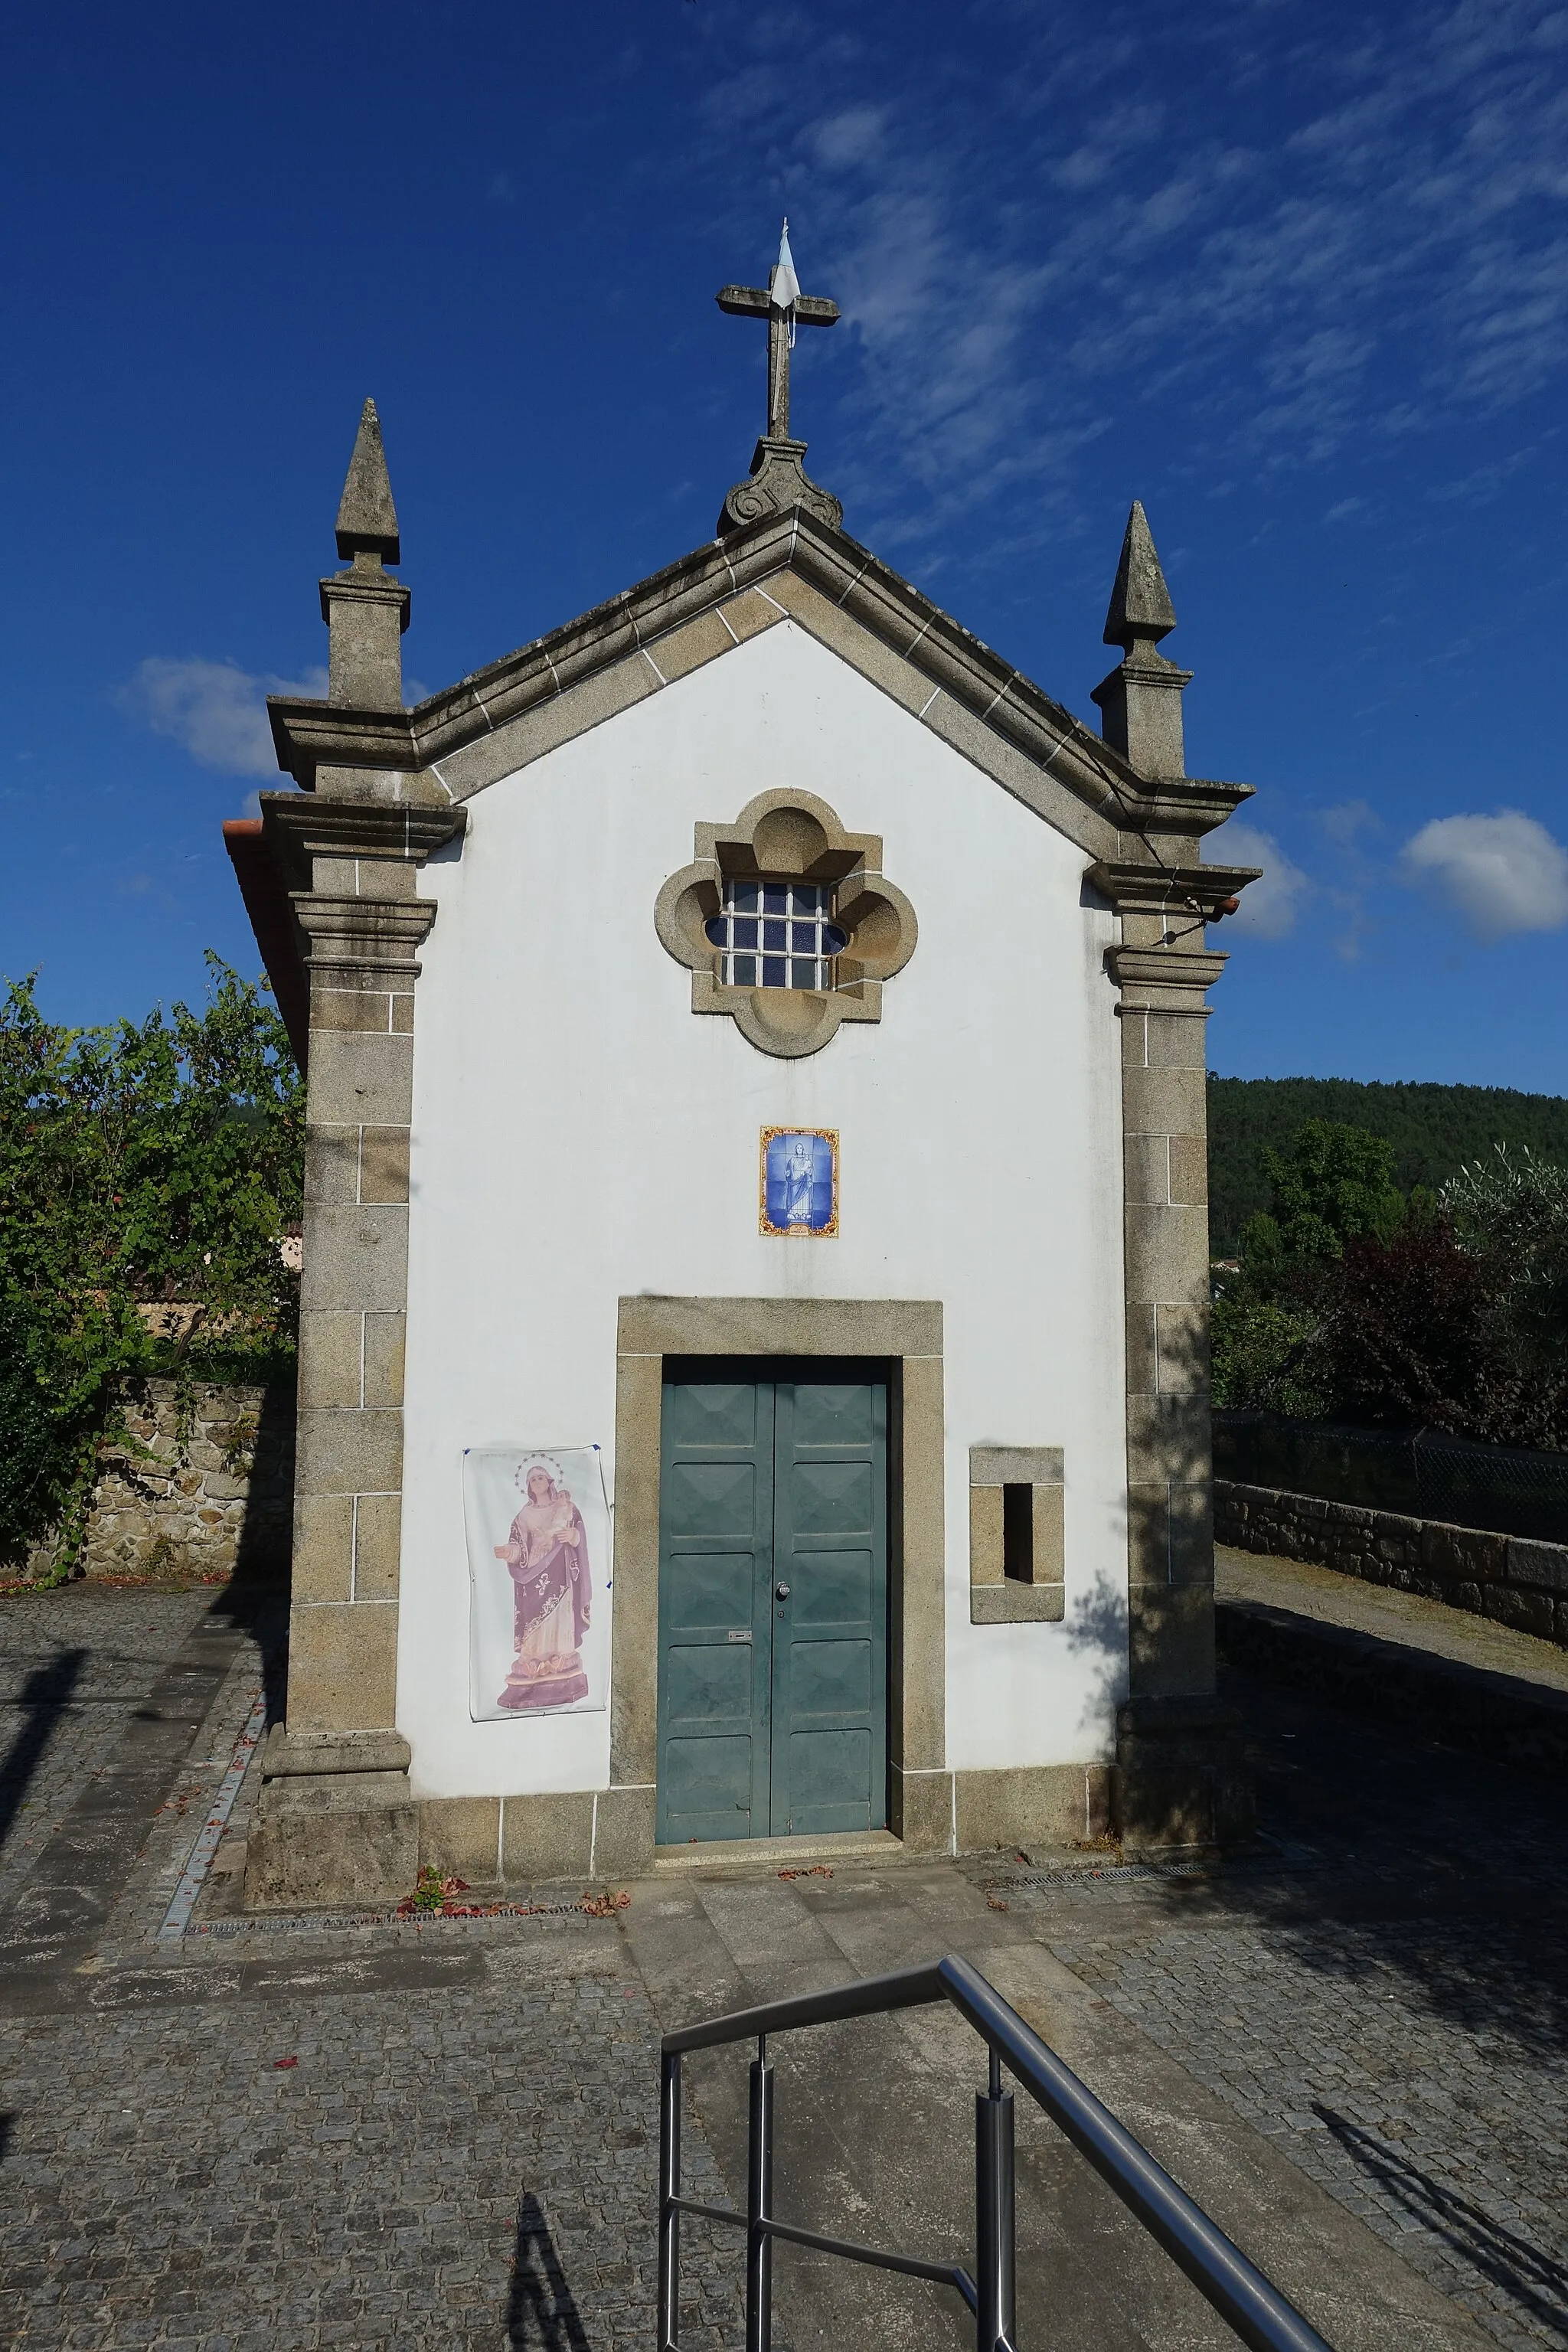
(539, 2312)
(1403, 1859)
(1521, 2269)
(259, 1608)
(45, 1695)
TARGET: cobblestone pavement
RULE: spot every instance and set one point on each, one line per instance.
(1448, 2136)
(462, 2151)
(73, 1663)
(294, 2134)
(428, 2160)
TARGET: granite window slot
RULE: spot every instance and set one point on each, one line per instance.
(1018, 1533)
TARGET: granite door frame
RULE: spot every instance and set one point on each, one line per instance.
(907, 1335)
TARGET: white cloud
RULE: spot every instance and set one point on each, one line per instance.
(1346, 821)
(1269, 905)
(1501, 874)
(215, 709)
(851, 137)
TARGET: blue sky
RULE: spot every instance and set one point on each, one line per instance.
(1294, 273)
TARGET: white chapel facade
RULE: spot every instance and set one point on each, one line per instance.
(752, 1364)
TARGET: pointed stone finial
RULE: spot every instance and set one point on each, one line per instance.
(367, 519)
(1140, 607)
(1140, 701)
(366, 610)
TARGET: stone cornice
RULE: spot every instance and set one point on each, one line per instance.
(305, 825)
(1134, 887)
(1146, 970)
(366, 934)
(1188, 806)
(365, 588)
(958, 665)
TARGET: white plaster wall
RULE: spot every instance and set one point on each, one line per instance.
(579, 1134)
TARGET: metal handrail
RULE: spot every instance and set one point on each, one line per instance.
(1235, 2288)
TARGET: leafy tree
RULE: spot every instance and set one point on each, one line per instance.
(1265, 1356)
(1511, 1210)
(1334, 1184)
(1434, 1130)
(1448, 1313)
(139, 1163)
(1403, 1334)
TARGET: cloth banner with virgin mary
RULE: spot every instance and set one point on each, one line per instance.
(539, 1571)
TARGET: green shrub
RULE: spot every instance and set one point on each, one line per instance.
(146, 1162)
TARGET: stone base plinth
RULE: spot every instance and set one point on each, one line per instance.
(1181, 1776)
(335, 1823)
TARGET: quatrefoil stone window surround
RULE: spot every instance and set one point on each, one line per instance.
(790, 848)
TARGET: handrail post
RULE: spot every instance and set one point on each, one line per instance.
(759, 2204)
(994, 2233)
(669, 2190)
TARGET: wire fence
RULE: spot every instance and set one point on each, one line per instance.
(1423, 1474)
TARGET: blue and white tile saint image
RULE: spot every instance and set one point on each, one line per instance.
(538, 1524)
(800, 1182)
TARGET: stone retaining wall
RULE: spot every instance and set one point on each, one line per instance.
(204, 1486)
(1508, 1578)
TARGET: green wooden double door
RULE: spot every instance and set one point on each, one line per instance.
(772, 1599)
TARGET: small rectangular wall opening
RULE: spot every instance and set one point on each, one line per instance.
(1018, 1533)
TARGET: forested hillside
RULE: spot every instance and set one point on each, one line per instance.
(1433, 1131)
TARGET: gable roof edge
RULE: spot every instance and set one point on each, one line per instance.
(989, 691)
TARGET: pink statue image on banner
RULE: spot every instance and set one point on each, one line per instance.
(546, 1555)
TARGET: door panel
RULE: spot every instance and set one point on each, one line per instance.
(829, 1658)
(836, 1412)
(773, 1705)
(709, 1783)
(716, 1510)
(831, 1587)
(826, 1770)
(832, 1498)
(717, 1413)
(713, 1498)
(713, 1589)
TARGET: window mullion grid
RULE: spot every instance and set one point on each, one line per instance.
(802, 905)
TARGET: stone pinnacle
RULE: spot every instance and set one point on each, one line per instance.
(366, 517)
(1140, 607)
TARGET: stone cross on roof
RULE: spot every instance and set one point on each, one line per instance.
(778, 479)
(783, 316)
